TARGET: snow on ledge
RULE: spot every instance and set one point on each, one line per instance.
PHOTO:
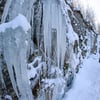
(19, 21)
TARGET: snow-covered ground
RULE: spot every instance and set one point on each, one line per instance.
(87, 83)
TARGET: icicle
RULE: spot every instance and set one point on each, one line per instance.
(7, 57)
(15, 50)
(56, 21)
(47, 31)
(6, 9)
(13, 8)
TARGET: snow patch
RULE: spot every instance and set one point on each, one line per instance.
(87, 82)
(7, 97)
(72, 36)
(19, 21)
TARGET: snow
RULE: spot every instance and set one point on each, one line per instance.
(19, 21)
(56, 69)
(50, 82)
(87, 83)
(21, 2)
(32, 71)
(57, 84)
(74, 61)
(36, 59)
(72, 36)
(7, 97)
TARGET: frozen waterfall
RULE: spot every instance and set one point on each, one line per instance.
(43, 44)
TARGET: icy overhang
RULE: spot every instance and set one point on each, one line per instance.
(19, 21)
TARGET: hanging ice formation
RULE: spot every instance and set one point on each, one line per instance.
(41, 47)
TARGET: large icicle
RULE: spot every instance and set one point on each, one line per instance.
(15, 49)
(14, 7)
(53, 20)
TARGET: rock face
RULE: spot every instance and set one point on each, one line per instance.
(84, 31)
(52, 51)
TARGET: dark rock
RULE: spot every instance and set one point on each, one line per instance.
(36, 64)
(70, 80)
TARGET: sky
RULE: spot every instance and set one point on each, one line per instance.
(92, 4)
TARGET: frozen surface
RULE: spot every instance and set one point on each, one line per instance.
(19, 21)
(87, 82)
(58, 34)
(15, 51)
(54, 24)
